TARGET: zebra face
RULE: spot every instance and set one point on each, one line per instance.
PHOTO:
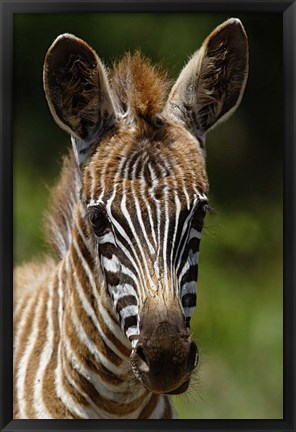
(169, 268)
(148, 228)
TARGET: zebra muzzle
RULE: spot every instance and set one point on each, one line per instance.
(164, 361)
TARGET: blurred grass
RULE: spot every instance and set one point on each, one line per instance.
(30, 200)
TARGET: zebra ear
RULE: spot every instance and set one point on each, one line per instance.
(77, 91)
(211, 85)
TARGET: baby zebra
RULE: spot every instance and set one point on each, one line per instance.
(103, 331)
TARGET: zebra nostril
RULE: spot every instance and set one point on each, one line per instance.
(140, 352)
(196, 359)
(193, 356)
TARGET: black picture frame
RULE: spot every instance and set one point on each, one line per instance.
(8, 8)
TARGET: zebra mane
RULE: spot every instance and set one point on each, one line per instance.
(64, 196)
(139, 88)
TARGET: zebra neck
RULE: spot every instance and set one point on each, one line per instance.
(93, 351)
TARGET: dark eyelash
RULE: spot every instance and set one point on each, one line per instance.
(208, 209)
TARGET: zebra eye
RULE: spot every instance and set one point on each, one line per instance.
(99, 220)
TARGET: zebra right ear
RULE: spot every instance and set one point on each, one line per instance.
(77, 91)
(211, 85)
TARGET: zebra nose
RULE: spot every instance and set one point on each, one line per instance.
(165, 364)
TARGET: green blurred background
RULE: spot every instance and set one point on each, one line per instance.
(238, 323)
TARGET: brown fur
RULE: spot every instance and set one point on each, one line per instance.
(62, 203)
(139, 86)
(28, 277)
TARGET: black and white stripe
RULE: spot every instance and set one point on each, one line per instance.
(152, 242)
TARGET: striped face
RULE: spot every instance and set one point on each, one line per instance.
(146, 211)
(139, 259)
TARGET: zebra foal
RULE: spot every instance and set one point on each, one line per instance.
(103, 332)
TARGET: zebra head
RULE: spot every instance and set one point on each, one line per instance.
(144, 183)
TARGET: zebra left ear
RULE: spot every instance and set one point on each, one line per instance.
(77, 91)
(211, 85)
